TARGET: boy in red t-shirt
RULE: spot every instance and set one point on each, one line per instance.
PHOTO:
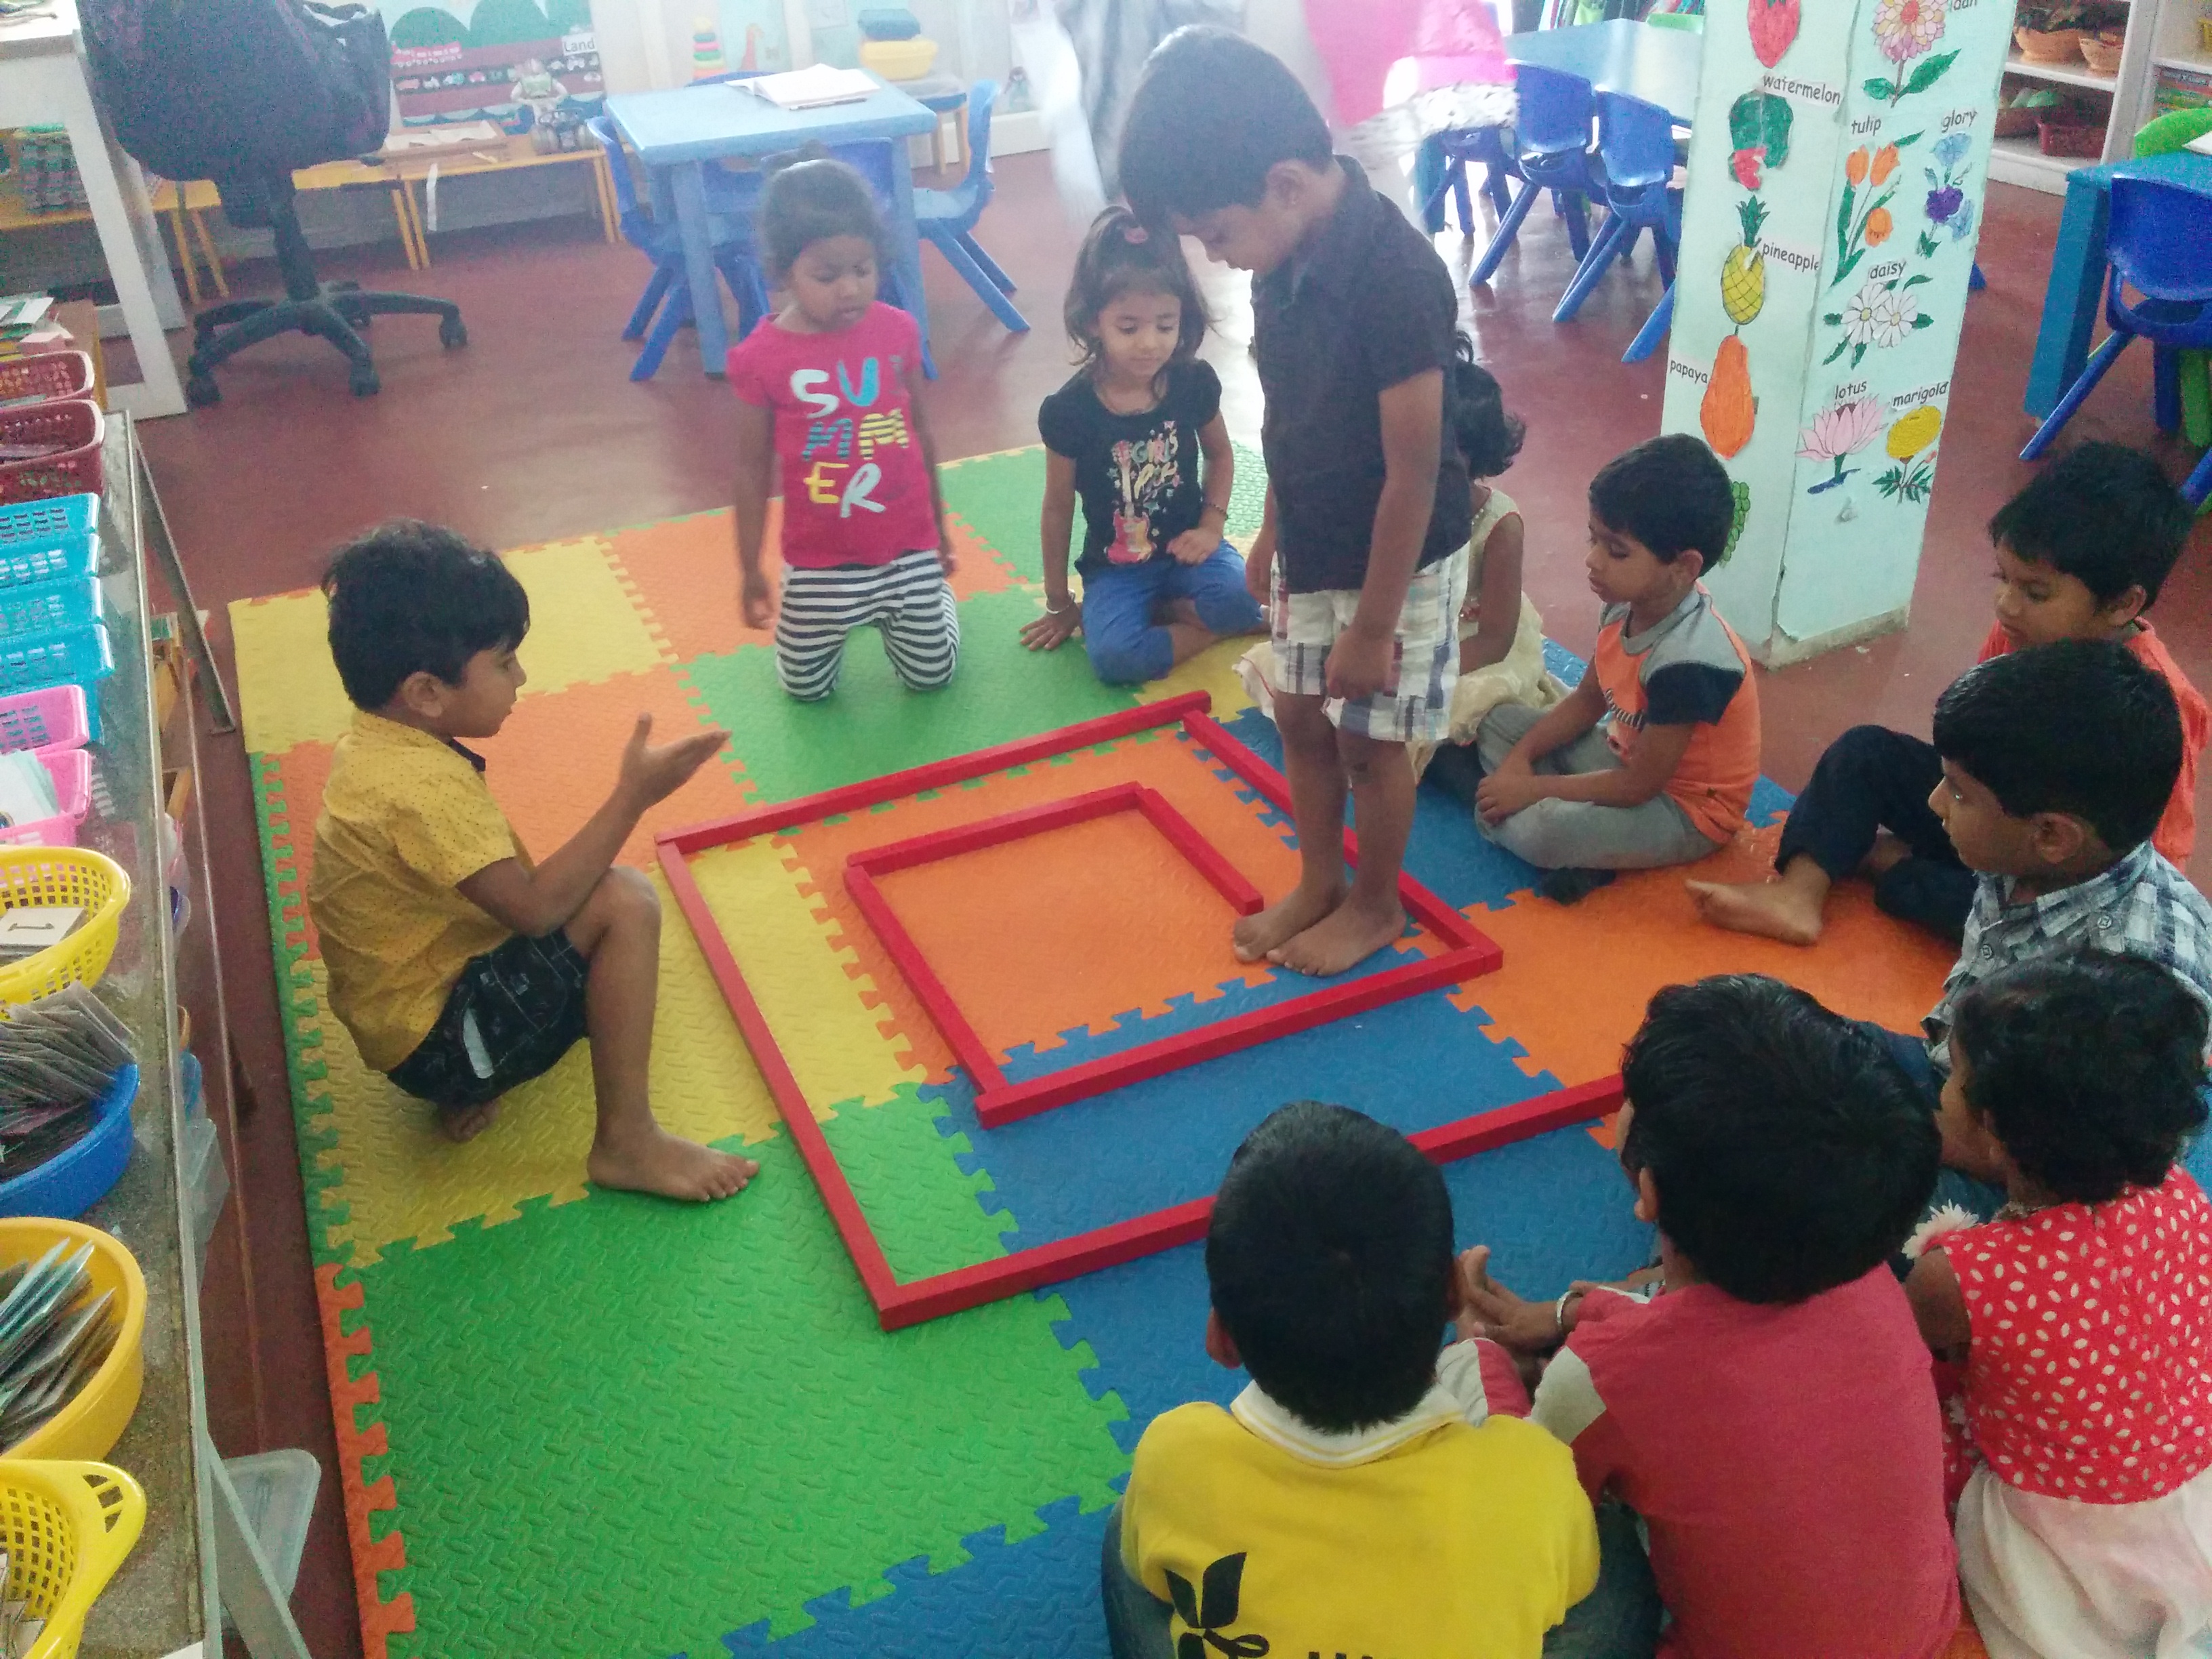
(2082, 553)
(828, 397)
(1764, 1406)
(1651, 759)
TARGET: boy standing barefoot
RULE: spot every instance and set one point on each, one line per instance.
(461, 969)
(1362, 553)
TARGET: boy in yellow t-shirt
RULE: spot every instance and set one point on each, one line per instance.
(1357, 1498)
(461, 969)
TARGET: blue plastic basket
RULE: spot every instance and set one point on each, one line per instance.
(82, 656)
(72, 1181)
(44, 607)
(44, 541)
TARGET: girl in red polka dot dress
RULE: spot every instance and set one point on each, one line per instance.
(2081, 1315)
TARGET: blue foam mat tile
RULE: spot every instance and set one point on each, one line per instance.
(1414, 1064)
(1552, 1210)
(1446, 852)
(1037, 1599)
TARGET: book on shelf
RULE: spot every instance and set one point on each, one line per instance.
(811, 87)
(20, 314)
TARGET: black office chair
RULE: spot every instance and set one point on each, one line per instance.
(243, 92)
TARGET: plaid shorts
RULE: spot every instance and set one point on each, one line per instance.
(512, 1014)
(1415, 705)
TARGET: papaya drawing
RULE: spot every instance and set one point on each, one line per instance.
(1727, 409)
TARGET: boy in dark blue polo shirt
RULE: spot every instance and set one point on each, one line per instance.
(1362, 555)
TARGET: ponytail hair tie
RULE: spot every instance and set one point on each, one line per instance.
(1134, 234)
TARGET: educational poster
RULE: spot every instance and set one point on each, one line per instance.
(469, 60)
(754, 34)
(1836, 172)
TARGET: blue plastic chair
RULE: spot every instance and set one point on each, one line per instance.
(1553, 128)
(1636, 159)
(2160, 245)
(1456, 150)
(1654, 330)
(947, 217)
(667, 304)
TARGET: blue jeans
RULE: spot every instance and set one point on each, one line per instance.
(1621, 1617)
(1120, 602)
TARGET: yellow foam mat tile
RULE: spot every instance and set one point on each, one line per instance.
(288, 688)
(837, 1036)
(401, 1179)
(1213, 670)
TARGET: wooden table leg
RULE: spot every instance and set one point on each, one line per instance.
(603, 176)
(208, 249)
(410, 224)
(184, 251)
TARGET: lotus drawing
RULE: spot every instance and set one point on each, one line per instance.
(1838, 432)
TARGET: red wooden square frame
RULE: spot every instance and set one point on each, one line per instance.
(1469, 953)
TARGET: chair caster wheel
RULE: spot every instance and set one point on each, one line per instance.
(200, 391)
(453, 333)
(203, 330)
(365, 383)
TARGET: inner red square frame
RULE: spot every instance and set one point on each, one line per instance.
(1468, 954)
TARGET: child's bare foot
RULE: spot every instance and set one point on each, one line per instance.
(467, 1122)
(1771, 909)
(1889, 853)
(1342, 939)
(1260, 937)
(667, 1164)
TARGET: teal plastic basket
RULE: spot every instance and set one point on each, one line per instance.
(49, 540)
(49, 607)
(80, 656)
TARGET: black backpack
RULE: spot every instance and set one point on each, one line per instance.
(240, 91)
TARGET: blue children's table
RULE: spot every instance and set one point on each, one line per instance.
(1660, 66)
(2073, 298)
(689, 130)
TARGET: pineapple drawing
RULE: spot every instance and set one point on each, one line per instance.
(1743, 273)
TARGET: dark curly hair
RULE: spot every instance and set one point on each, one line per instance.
(2089, 1068)
(1122, 256)
(1488, 437)
(408, 598)
(1791, 1151)
(809, 198)
(2105, 516)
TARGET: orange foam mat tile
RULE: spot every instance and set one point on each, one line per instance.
(1576, 977)
(1097, 995)
(554, 762)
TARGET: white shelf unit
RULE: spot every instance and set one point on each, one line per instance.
(2161, 34)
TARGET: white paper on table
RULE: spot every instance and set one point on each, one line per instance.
(450, 136)
(430, 198)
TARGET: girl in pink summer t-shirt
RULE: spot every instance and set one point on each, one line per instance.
(829, 401)
(2081, 1318)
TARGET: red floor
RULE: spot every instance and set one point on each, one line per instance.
(533, 432)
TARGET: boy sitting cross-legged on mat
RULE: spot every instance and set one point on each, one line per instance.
(1357, 1498)
(1650, 760)
(2082, 553)
(1362, 552)
(461, 969)
(1765, 1407)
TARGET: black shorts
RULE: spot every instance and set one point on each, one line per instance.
(524, 1005)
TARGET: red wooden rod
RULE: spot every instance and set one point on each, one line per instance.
(1225, 877)
(937, 1000)
(1018, 825)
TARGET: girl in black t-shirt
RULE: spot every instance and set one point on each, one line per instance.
(1137, 433)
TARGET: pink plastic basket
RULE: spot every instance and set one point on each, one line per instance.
(73, 468)
(48, 720)
(71, 771)
(48, 375)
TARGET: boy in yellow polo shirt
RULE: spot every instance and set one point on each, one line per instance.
(1357, 1499)
(462, 968)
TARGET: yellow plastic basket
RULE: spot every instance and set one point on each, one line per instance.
(91, 1423)
(63, 875)
(66, 1528)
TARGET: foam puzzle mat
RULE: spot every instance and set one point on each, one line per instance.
(576, 1422)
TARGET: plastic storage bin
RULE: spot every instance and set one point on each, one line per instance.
(69, 1183)
(51, 719)
(80, 656)
(73, 469)
(66, 1527)
(46, 607)
(71, 771)
(50, 374)
(207, 1180)
(93, 1422)
(42, 541)
(62, 875)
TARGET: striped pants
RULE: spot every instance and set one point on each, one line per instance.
(908, 601)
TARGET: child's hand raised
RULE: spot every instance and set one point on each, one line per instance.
(651, 772)
(756, 595)
(1488, 1309)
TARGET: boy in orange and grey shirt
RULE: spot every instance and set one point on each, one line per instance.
(1650, 761)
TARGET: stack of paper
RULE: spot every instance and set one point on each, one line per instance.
(20, 314)
(811, 88)
(27, 790)
(58, 1055)
(53, 1335)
